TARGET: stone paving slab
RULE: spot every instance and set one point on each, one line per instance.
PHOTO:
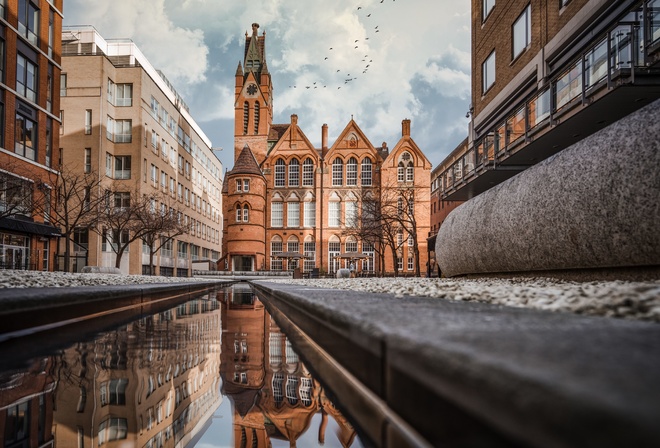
(537, 378)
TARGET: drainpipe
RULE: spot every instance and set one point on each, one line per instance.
(324, 146)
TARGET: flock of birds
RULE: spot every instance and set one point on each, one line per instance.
(344, 75)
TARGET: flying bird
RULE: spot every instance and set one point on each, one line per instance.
(356, 40)
(359, 7)
(368, 15)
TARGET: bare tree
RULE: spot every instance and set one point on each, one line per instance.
(78, 201)
(118, 220)
(161, 225)
(399, 203)
(368, 226)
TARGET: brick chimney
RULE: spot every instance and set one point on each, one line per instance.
(324, 136)
(294, 127)
(405, 128)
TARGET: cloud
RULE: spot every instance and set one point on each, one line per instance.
(178, 51)
(419, 61)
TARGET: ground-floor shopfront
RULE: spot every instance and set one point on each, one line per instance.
(27, 245)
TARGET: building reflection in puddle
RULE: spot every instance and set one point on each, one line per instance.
(273, 395)
(151, 383)
(157, 382)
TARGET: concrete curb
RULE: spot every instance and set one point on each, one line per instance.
(469, 373)
(23, 308)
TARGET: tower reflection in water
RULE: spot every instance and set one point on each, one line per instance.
(274, 397)
(157, 381)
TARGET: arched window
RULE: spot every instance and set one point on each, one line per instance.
(294, 173)
(256, 118)
(366, 172)
(351, 244)
(293, 245)
(239, 214)
(275, 248)
(337, 172)
(399, 207)
(405, 168)
(245, 213)
(351, 171)
(280, 173)
(400, 172)
(246, 117)
(309, 250)
(308, 173)
(334, 249)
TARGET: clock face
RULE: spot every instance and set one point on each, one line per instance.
(252, 89)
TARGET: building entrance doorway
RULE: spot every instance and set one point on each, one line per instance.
(242, 263)
(14, 251)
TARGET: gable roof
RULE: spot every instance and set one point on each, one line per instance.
(352, 127)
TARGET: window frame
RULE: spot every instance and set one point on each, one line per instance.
(486, 8)
(26, 29)
(280, 173)
(294, 173)
(293, 214)
(524, 20)
(277, 214)
(488, 62)
(337, 172)
(352, 172)
(366, 172)
(20, 141)
(308, 173)
(22, 78)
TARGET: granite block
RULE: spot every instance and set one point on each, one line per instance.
(595, 204)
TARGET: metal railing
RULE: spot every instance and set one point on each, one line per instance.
(611, 61)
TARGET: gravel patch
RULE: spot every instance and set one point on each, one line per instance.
(37, 279)
(623, 299)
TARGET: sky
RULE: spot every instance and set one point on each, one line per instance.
(376, 61)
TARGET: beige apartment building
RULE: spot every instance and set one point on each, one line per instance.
(126, 126)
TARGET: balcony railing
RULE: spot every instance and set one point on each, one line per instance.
(613, 60)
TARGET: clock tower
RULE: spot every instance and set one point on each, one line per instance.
(253, 106)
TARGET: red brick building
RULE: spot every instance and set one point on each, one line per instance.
(30, 48)
(545, 75)
(285, 195)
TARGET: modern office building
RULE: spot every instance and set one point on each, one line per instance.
(125, 125)
(318, 206)
(30, 49)
(546, 74)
